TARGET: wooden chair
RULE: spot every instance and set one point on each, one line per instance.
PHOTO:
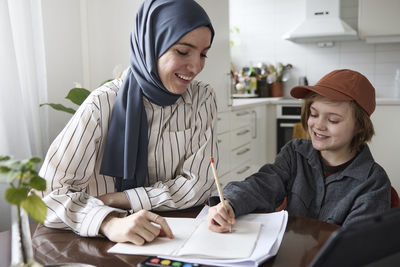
(394, 198)
(298, 131)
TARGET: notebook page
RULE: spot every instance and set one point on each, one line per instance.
(239, 243)
(267, 244)
(182, 228)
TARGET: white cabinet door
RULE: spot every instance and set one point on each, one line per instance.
(217, 68)
(259, 135)
(379, 21)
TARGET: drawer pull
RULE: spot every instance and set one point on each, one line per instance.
(241, 152)
(219, 119)
(243, 170)
(219, 141)
(244, 113)
(243, 132)
(286, 125)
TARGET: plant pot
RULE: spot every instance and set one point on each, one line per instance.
(21, 252)
(276, 89)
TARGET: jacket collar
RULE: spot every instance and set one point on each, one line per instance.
(358, 169)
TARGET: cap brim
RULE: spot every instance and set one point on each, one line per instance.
(303, 91)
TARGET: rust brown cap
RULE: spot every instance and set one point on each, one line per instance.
(342, 85)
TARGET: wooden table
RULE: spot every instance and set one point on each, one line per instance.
(302, 240)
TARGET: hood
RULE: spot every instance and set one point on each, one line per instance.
(322, 23)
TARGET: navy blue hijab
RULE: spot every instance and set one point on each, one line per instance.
(159, 24)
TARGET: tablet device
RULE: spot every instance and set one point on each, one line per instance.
(362, 243)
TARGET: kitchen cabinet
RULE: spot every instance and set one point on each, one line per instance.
(242, 142)
(379, 21)
(385, 145)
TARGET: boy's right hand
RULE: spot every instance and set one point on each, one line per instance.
(220, 220)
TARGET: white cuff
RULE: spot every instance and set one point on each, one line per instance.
(138, 199)
(92, 221)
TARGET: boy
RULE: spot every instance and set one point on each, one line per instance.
(332, 176)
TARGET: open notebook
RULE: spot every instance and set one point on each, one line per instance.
(255, 238)
(192, 238)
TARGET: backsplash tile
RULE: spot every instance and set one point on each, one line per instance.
(262, 24)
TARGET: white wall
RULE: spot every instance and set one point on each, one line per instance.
(84, 42)
(262, 24)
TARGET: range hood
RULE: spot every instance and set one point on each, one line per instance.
(322, 24)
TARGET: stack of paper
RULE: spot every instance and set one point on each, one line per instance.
(255, 238)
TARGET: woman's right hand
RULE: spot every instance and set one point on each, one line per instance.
(219, 219)
(136, 228)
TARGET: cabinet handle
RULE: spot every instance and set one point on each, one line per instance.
(243, 170)
(241, 152)
(239, 114)
(286, 125)
(218, 119)
(254, 124)
(243, 132)
(219, 141)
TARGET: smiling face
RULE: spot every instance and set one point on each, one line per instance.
(178, 66)
(331, 126)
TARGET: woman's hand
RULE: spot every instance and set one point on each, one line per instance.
(220, 220)
(136, 228)
(116, 200)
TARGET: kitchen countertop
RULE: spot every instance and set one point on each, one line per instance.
(240, 102)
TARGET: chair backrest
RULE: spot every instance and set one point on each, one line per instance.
(298, 131)
(394, 198)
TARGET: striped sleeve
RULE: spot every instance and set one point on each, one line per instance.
(69, 169)
(192, 182)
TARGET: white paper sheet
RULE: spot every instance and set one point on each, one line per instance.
(192, 238)
(181, 227)
(238, 244)
(273, 227)
(268, 243)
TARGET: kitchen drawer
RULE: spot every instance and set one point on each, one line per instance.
(239, 174)
(223, 122)
(241, 155)
(240, 137)
(224, 180)
(243, 171)
(224, 150)
(241, 118)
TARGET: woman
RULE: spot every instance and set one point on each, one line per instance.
(332, 177)
(141, 142)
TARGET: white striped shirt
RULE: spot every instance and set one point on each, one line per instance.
(182, 137)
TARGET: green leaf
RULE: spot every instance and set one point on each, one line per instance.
(78, 95)
(12, 164)
(35, 160)
(35, 207)
(106, 81)
(4, 158)
(38, 183)
(59, 107)
(16, 195)
(4, 169)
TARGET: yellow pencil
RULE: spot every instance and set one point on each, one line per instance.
(221, 197)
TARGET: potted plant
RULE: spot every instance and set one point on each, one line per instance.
(23, 180)
(76, 95)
